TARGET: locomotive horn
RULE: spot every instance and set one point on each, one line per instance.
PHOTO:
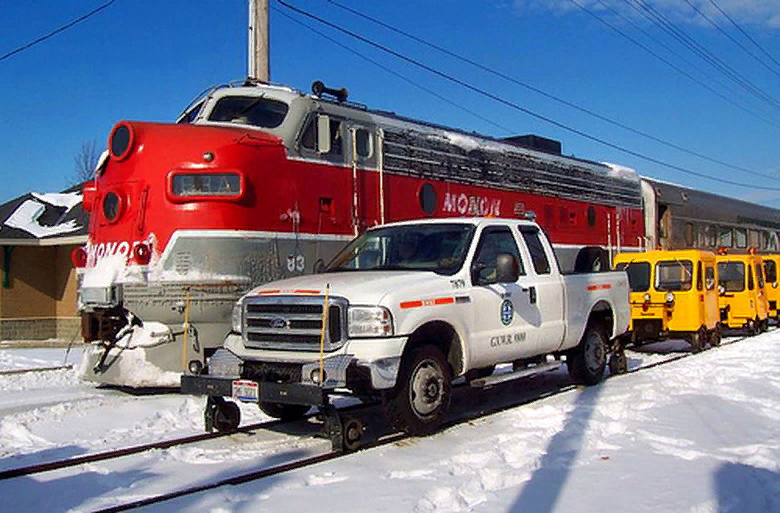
(318, 88)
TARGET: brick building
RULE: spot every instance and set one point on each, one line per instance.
(38, 292)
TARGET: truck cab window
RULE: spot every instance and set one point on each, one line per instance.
(534, 243)
(493, 242)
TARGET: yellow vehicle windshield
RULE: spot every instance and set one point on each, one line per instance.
(673, 275)
(638, 275)
(731, 276)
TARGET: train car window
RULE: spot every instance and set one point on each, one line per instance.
(364, 143)
(725, 236)
(638, 275)
(740, 237)
(771, 271)
(701, 236)
(534, 243)
(249, 110)
(699, 279)
(760, 276)
(712, 235)
(709, 277)
(674, 275)
(754, 240)
(764, 240)
(689, 234)
(731, 276)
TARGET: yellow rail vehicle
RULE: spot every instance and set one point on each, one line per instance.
(673, 295)
(743, 299)
(771, 267)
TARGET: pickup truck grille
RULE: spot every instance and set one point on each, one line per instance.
(293, 323)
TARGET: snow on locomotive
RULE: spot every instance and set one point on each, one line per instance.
(257, 182)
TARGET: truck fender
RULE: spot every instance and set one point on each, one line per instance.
(443, 335)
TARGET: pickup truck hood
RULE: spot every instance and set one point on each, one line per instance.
(361, 287)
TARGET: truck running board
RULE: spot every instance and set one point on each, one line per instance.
(509, 376)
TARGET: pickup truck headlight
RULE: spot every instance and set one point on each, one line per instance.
(370, 321)
(237, 317)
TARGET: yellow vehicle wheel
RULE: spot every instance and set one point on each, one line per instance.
(715, 336)
(697, 340)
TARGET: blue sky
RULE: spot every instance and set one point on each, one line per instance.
(144, 60)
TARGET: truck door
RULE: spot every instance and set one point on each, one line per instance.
(504, 321)
(549, 291)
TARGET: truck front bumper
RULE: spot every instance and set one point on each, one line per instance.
(282, 393)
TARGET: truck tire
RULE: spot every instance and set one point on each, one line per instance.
(586, 362)
(284, 411)
(423, 391)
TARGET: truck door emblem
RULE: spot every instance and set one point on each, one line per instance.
(507, 312)
(278, 323)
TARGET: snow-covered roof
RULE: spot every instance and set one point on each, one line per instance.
(36, 219)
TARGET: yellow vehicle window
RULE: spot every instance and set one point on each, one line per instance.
(731, 276)
(674, 275)
(771, 271)
(759, 276)
(709, 278)
(638, 275)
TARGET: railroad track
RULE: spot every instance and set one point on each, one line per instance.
(534, 396)
(35, 369)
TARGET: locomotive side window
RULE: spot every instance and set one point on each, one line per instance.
(363, 142)
(731, 276)
(248, 110)
(740, 237)
(725, 236)
(689, 235)
(674, 275)
(310, 136)
(638, 275)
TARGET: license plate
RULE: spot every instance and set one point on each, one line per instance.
(246, 391)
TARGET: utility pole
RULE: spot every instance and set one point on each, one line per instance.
(259, 48)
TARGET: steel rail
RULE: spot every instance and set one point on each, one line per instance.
(382, 441)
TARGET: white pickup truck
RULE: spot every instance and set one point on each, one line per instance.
(411, 306)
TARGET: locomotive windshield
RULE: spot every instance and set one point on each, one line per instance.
(440, 248)
(249, 110)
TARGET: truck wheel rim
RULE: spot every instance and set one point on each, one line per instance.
(427, 387)
(594, 352)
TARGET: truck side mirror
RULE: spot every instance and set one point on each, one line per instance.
(323, 133)
(507, 269)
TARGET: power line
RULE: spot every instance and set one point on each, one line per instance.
(684, 39)
(724, 13)
(393, 72)
(675, 67)
(511, 104)
(730, 37)
(57, 31)
(542, 92)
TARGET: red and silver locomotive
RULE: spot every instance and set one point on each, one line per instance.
(258, 182)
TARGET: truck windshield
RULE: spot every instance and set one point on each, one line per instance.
(440, 248)
(674, 275)
(731, 276)
(638, 275)
(250, 110)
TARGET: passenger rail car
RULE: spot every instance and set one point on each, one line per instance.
(257, 182)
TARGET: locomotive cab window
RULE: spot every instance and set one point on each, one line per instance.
(324, 134)
(247, 110)
(364, 143)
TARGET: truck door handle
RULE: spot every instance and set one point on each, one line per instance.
(531, 294)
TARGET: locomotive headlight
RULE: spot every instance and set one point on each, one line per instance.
(120, 143)
(669, 298)
(237, 317)
(370, 321)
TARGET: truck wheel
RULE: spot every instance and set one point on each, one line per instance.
(227, 417)
(422, 393)
(587, 361)
(284, 411)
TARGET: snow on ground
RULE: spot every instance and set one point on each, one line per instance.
(698, 435)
